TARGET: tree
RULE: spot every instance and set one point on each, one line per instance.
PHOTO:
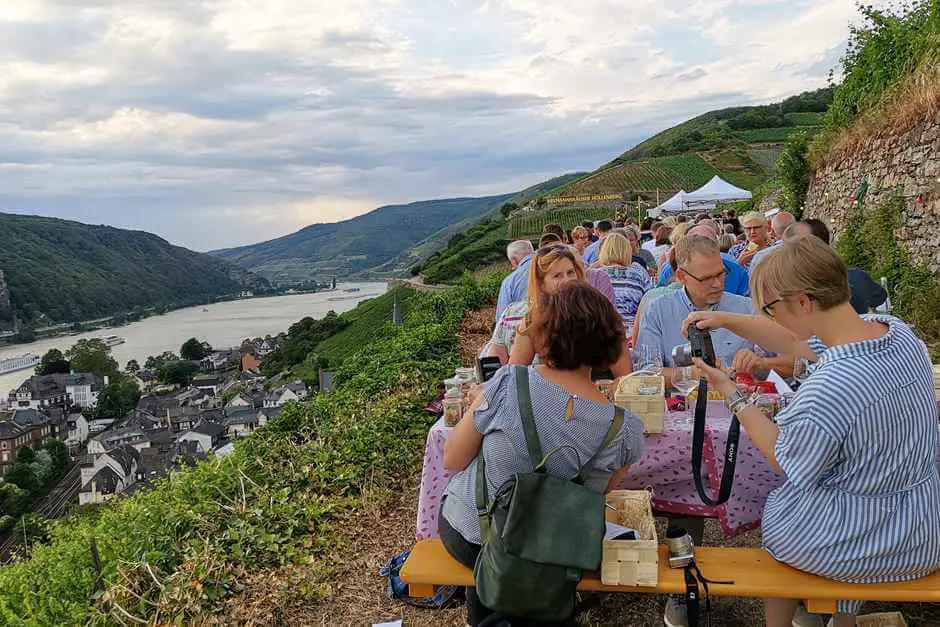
(26, 455)
(194, 350)
(59, 454)
(154, 362)
(53, 362)
(507, 208)
(794, 171)
(132, 367)
(93, 356)
(21, 474)
(177, 372)
(117, 398)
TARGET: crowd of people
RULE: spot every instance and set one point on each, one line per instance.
(857, 446)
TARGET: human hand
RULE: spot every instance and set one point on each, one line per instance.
(473, 393)
(704, 320)
(747, 361)
(745, 257)
(717, 378)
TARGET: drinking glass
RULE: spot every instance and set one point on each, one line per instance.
(684, 381)
(648, 359)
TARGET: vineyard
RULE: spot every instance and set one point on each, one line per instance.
(530, 225)
(664, 173)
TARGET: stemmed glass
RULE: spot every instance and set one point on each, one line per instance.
(648, 360)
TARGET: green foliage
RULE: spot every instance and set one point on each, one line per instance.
(368, 321)
(92, 356)
(194, 350)
(768, 135)
(53, 362)
(666, 173)
(484, 244)
(178, 372)
(117, 398)
(882, 51)
(29, 478)
(868, 241)
(132, 367)
(155, 362)
(793, 172)
(530, 225)
(62, 271)
(302, 338)
(173, 553)
(507, 208)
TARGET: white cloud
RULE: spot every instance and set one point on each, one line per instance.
(217, 122)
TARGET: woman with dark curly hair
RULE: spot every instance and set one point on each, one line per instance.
(575, 330)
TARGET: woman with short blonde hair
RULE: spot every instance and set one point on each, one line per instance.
(857, 445)
(580, 238)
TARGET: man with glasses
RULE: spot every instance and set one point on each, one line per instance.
(736, 277)
(701, 271)
(757, 232)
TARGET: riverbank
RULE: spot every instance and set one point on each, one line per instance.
(222, 325)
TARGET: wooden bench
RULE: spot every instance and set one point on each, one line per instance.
(753, 571)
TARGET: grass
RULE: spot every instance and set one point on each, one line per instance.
(769, 135)
(368, 321)
(809, 118)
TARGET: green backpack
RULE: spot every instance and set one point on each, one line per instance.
(541, 533)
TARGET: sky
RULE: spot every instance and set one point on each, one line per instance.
(215, 123)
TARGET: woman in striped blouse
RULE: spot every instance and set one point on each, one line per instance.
(861, 502)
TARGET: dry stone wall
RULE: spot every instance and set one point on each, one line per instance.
(903, 165)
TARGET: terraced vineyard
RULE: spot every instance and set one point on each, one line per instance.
(530, 225)
(687, 172)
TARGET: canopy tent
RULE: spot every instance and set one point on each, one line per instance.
(675, 204)
(714, 191)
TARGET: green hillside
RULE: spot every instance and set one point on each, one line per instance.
(348, 248)
(63, 271)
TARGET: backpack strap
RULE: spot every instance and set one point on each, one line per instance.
(524, 400)
(612, 432)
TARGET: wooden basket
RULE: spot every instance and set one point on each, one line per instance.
(650, 408)
(882, 619)
(631, 562)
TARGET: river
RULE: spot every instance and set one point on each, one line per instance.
(223, 325)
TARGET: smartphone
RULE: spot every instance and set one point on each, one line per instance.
(487, 367)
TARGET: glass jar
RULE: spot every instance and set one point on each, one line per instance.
(466, 374)
(453, 410)
(769, 404)
(452, 388)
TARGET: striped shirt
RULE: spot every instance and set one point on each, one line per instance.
(630, 284)
(862, 498)
(504, 445)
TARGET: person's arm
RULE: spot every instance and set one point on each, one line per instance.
(497, 350)
(523, 351)
(616, 478)
(756, 329)
(463, 444)
(761, 429)
(602, 284)
(750, 362)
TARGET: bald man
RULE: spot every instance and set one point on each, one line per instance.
(778, 225)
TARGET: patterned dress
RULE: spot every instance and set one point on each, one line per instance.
(858, 445)
(630, 284)
(504, 445)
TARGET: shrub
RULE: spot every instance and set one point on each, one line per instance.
(793, 172)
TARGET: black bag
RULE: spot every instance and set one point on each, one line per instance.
(541, 533)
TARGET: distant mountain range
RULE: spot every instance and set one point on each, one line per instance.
(63, 271)
(383, 242)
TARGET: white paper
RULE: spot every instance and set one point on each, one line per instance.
(779, 383)
(394, 623)
(614, 530)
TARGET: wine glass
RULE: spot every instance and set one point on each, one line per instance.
(684, 380)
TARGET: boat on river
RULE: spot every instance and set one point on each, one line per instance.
(112, 340)
(20, 362)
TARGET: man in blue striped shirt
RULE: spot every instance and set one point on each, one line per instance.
(515, 287)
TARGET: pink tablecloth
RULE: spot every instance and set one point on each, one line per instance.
(665, 467)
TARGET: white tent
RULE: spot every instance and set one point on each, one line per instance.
(714, 191)
(673, 205)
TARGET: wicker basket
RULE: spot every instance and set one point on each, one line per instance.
(631, 562)
(882, 619)
(650, 408)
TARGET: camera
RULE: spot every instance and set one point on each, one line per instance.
(487, 367)
(681, 549)
(699, 345)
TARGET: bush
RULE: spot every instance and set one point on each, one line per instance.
(794, 172)
(173, 553)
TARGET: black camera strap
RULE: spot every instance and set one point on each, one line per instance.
(693, 598)
(698, 444)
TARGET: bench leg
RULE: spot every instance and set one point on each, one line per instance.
(821, 606)
(420, 590)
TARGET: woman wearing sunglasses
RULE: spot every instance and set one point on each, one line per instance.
(861, 502)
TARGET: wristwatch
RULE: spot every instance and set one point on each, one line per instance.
(736, 401)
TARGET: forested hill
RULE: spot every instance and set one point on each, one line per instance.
(64, 271)
(345, 248)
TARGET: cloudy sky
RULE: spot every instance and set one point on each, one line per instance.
(222, 122)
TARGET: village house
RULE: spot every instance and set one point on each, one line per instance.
(293, 392)
(183, 418)
(250, 363)
(222, 360)
(211, 385)
(57, 390)
(110, 474)
(78, 430)
(104, 442)
(209, 435)
(21, 427)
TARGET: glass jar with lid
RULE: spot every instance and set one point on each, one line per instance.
(453, 410)
(452, 388)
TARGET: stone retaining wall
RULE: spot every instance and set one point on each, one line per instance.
(902, 165)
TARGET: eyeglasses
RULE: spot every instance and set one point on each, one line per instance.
(768, 308)
(708, 279)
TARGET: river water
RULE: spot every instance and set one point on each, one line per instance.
(223, 325)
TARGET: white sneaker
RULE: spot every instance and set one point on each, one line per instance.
(676, 614)
(802, 618)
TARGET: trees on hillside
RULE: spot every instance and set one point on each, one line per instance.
(93, 356)
(117, 398)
